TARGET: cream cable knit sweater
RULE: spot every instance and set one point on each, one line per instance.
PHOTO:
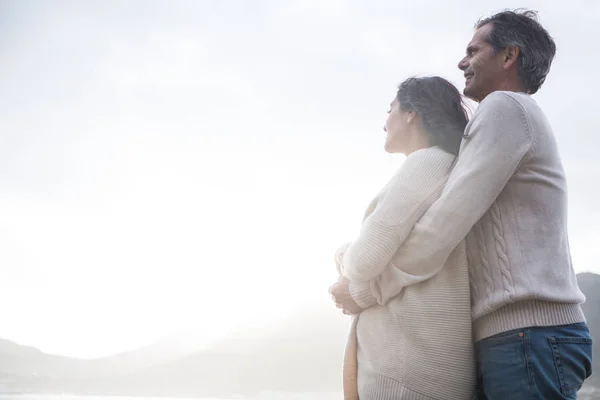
(419, 345)
(507, 194)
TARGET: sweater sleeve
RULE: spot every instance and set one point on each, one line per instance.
(497, 141)
(412, 190)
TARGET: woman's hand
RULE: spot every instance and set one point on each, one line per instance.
(339, 255)
(340, 293)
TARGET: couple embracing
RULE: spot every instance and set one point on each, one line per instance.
(460, 283)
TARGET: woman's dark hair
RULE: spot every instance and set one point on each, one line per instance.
(440, 106)
(522, 29)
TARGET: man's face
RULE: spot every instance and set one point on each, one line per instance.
(483, 69)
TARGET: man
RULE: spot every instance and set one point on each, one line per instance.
(507, 194)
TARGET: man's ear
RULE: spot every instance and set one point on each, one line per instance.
(511, 55)
(410, 116)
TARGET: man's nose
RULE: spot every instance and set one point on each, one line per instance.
(463, 64)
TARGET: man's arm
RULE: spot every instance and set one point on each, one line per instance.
(409, 194)
(498, 139)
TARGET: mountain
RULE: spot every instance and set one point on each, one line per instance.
(303, 353)
(590, 285)
(138, 359)
(18, 360)
(28, 368)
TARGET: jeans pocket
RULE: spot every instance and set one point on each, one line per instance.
(504, 337)
(573, 361)
(502, 366)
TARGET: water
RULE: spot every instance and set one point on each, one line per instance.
(70, 397)
(587, 393)
(262, 396)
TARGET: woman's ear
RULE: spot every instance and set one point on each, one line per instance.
(410, 117)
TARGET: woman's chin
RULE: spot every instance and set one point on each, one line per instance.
(390, 148)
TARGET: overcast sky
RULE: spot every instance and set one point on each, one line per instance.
(171, 166)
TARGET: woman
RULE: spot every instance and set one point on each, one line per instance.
(414, 341)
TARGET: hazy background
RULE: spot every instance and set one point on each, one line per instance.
(182, 168)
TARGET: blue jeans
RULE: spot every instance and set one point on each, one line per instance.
(534, 363)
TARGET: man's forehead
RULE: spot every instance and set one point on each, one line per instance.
(480, 35)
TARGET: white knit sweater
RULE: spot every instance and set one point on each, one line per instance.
(419, 344)
(507, 194)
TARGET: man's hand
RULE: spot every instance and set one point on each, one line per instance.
(340, 293)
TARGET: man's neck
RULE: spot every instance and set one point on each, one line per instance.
(512, 85)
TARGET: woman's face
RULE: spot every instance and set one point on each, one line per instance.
(397, 128)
